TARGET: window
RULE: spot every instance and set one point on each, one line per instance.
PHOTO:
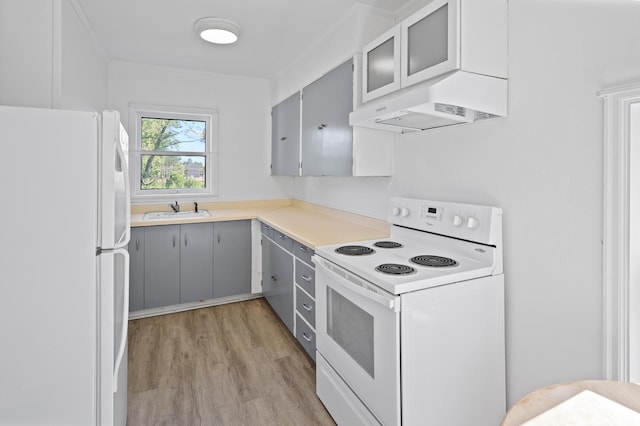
(173, 151)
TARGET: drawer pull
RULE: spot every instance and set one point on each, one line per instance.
(307, 307)
(303, 248)
(307, 278)
(306, 337)
(284, 237)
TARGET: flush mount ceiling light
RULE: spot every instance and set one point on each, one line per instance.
(217, 30)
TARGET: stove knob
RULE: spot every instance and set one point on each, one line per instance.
(404, 212)
(457, 220)
(396, 211)
(472, 223)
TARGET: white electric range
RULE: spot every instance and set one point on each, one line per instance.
(410, 328)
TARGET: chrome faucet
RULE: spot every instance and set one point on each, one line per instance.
(175, 207)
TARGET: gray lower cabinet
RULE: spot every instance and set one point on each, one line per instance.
(173, 264)
(196, 262)
(305, 285)
(306, 336)
(231, 258)
(288, 284)
(277, 280)
(136, 269)
(162, 266)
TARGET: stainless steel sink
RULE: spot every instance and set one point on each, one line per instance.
(176, 215)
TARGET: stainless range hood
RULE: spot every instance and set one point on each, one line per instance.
(457, 98)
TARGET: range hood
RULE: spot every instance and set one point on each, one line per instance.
(457, 98)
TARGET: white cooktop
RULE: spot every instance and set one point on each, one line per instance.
(473, 260)
(471, 235)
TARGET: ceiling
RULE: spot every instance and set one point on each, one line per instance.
(161, 32)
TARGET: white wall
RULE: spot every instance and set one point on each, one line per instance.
(26, 49)
(83, 76)
(243, 117)
(634, 245)
(49, 59)
(358, 26)
(543, 166)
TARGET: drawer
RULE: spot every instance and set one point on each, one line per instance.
(306, 306)
(306, 336)
(266, 230)
(302, 252)
(283, 241)
(306, 277)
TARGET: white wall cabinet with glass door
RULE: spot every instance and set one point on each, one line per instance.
(311, 135)
(444, 36)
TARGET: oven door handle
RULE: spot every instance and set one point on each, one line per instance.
(349, 282)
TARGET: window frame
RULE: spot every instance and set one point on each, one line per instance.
(209, 116)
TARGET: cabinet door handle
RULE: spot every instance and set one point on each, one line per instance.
(307, 278)
(322, 126)
(173, 240)
(185, 240)
(306, 337)
(307, 307)
(218, 237)
(284, 138)
(274, 278)
(137, 244)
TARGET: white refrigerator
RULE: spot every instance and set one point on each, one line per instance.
(65, 204)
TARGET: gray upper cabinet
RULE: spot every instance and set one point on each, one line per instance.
(311, 135)
(232, 258)
(136, 269)
(196, 262)
(162, 266)
(327, 138)
(285, 137)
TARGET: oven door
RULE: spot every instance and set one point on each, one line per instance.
(357, 328)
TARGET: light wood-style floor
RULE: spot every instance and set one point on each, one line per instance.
(234, 364)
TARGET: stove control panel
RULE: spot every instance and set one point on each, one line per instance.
(433, 212)
(477, 223)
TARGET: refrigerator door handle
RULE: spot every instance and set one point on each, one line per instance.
(127, 191)
(125, 316)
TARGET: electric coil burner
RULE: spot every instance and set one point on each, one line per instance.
(387, 244)
(433, 261)
(395, 269)
(355, 250)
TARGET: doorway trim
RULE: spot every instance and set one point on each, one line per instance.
(616, 198)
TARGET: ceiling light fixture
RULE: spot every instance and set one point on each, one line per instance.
(217, 30)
